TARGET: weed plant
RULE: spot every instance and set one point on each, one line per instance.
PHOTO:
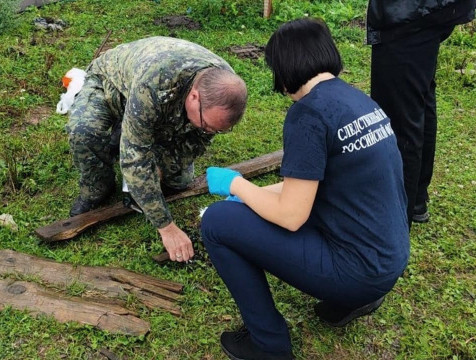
(431, 313)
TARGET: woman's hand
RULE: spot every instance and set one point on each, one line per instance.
(220, 179)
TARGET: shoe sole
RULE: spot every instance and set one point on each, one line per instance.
(364, 310)
(421, 218)
(229, 354)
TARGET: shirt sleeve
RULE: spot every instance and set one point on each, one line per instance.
(305, 146)
(141, 117)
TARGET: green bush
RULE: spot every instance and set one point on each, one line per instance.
(8, 14)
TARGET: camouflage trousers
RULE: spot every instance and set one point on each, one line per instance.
(94, 129)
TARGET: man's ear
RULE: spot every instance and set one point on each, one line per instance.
(194, 94)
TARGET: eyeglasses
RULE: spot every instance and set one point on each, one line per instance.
(207, 129)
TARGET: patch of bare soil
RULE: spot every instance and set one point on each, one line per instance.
(178, 21)
(10, 112)
(33, 117)
(38, 115)
(106, 47)
(248, 51)
(358, 23)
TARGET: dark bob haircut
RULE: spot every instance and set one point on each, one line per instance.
(298, 51)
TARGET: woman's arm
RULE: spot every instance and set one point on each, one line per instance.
(277, 188)
(289, 208)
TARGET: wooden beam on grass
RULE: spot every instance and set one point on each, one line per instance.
(22, 295)
(69, 228)
(249, 168)
(104, 282)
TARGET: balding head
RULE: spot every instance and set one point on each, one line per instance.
(222, 88)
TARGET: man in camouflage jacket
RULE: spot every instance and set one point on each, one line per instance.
(160, 101)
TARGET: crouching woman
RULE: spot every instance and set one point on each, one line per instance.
(336, 227)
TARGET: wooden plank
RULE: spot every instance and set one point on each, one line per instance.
(249, 168)
(69, 228)
(108, 282)
(24, 295)
(267, 8)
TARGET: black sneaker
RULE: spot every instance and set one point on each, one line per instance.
(420, 213)
(239, 346)
(339, 316)
(81, 206)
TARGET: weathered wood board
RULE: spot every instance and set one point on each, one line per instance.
(69, 228)
(267, 8)
(22, 295)
(106, 283)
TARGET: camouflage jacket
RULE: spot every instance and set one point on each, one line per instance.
(154, 76)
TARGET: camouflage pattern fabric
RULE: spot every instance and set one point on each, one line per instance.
(140, 86)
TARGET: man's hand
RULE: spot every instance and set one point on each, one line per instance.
(176, 242)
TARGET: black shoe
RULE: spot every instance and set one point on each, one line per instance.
(238, 346)
(420, 213)
(339, 317)
(81, 206)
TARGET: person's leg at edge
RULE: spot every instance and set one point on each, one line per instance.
(429, 145)
(420, 211)
(401, 75)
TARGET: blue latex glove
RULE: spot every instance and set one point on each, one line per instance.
(234, 198)
(219, 180)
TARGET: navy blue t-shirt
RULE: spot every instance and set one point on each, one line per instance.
(339, 136)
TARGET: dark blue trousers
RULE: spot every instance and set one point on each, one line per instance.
(242, 246)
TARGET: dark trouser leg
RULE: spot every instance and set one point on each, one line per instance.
(89, 137)
(429, 146)
(242, 246)
(402, 83)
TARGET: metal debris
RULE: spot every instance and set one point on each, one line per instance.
(49, 24)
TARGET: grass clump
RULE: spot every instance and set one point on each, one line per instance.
(8, 14)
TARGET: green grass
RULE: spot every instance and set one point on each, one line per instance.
(431, 314)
